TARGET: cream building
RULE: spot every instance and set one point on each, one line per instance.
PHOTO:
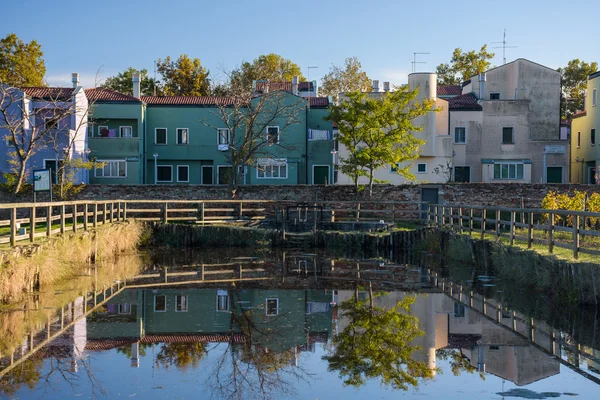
(505, 126)
(437, 150)
(585, 154)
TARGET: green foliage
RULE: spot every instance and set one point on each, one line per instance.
(27, 373)
(458, 362)
(180, 355)
(21, 64)
(463, 66)
(573, 83)
(345, 79)
(376, 344)
(183, 77)
(579, 201)
(122, 82)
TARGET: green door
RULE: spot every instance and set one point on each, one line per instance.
(321, 175)
(554, 175)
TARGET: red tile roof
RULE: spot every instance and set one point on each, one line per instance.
(465, 102)
(285, 86)
(449, 90)
(48, 93)
(319, 102)
(101, 94)
(187, 100)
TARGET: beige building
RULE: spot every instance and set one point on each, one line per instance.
(436, 153)
(505, 126)
(585, 154)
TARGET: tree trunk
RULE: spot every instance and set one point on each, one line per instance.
(21, 176)
(371, 181)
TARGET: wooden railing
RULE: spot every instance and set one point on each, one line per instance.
(528, 225)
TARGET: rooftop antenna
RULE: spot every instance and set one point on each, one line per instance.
(503, 47)
(415, 62)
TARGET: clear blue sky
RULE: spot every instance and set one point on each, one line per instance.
(108, 36)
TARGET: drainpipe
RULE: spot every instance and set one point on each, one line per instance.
(306, 140)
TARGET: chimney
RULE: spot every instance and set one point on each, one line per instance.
(135, 79)
(375, 85)
(295, 85)
(75, 79)
(386, 86)
(481, 85)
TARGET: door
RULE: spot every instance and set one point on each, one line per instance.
(51, 165)
(462, 174)
(224, 174)
(429, 195)
(207, 175)
(554, 175)
(321, 174)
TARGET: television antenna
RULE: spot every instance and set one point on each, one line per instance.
(415, 62)
(503, 47)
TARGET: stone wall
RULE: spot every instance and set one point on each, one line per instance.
(492, 194)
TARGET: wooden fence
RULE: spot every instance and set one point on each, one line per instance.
(529, 225)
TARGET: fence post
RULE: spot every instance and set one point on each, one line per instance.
(460, 220)
(393, 212)
(470, 221)
(95, 218)
(13, 226)
(165, 217)
(74, 217)
(283, 216)
(451, 218)
(551, 233)
(124, 211)
(443, 215)
(49, 221)
(86, 216)
(436, 217)
(111, 212)
(497, 225)
(62, 219)
(32, 224)
(201, 210)
(513, 217)
(576, 225)
(118, 211)
(482, 223)
(530, 231)
(241, 208)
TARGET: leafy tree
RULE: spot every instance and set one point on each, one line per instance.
(377, 344)
(377, 131)
(21, 64)
(184, 76)
(180, 355)
(122, 82)
(27, 373)
(573, 84)
(349, 78)
(463, 66)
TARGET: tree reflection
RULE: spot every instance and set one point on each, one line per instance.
(376, 344)
(180, 355)
(458, 361)
(27, 373)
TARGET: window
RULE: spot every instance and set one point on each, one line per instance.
(593, 137)
(594, 98)
(578, 139)
(421, 168)
(124, 309)
(224, 136)
(111, 169)
(508, 170)
(272, 134)
(460, 135)
(90, 130)
(272, 307)
(103, 131)
(160, 136)
(183, 173)
(507, 136)
(125, 131)
(462, 174)
(182, 136)
(267, 168)
(160, 303)
(494, 96)
(394, 167)
(164, 173)
(50, 123)
(222, 301)
(181, 303)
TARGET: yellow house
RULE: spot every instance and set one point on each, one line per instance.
(585, 154)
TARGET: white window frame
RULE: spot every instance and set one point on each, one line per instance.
(594, 97)
(187, 136)
(177, 296)
(121, 131)
(421, 172)
(124, 308)
(515, 163)
(267, 306)
(110, 176)
(498, 93)
(278, 134)
(165, 297)
(188, 173)
(219, 135)
(100, 127)
(166, 166)
(262, 168)
(226, 303)
(166, 137)
(464, 131)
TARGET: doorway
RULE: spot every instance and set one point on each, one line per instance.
(554, 175)
(321, 174)
(207, 175)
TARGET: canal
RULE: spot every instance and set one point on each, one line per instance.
(274, 324)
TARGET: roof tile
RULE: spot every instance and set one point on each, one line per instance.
(465, 102)
(187, 100)
(102, 94)
(285, 86)
(449, 90)
(319, 101)
(48, 93)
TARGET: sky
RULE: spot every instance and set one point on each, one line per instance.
(98, 39)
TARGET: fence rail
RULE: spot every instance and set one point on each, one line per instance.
(578, 231)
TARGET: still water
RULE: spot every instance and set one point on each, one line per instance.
(293, 325)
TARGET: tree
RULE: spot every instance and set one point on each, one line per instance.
(271, 67)
(21, 64)
(463, 66)
(349, 78)
(180, 355)
(184, 76)
(377, 131)
(377, 344)
(573, 84)
(122, 82)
